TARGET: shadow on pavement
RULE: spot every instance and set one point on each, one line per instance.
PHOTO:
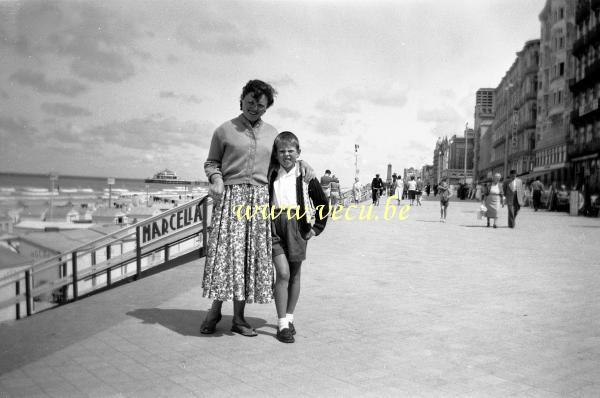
(483, 226)
(187, 322)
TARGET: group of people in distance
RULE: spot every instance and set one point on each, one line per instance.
(413, 189)
(331, 186)
(257, 259)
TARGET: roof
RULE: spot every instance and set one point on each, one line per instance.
(34, 211)
(9, 258)
(62, 241)
(108, 212)
(60, 211)
(143, 211)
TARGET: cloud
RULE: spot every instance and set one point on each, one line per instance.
(38, 81)
(153, 132)
(172, 59)
(283, 81)
(3, 94)
(387, 96)
(218, 36)
(98, 40)
(17, 131)
(418, 146)
(288, 113)
(448, 93)
(338, 106)
(64, 110)
(182, 97)
(446, 114)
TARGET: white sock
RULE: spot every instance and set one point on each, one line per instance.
(282, 323)
(290, 318)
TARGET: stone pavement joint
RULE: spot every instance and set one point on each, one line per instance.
(388, 308)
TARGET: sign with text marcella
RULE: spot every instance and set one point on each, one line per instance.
(171, 223)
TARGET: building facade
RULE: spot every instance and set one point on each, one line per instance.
(484, 117)
(515, 114)
(583, 149)
(554, 99)
(457, 170)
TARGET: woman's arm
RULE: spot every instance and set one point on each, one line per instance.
(212, 166)
(307, 172)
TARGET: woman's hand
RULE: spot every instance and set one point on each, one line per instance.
(311, 234)
(216, 188)
(306, 171)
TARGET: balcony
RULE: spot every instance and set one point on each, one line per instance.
(579, 46)
(592, 72)
(592, 76)
(526, 125)
(531, 69)
(582, 149)
(593, 36)
(595, 4)
(586, 113)
(583, 12)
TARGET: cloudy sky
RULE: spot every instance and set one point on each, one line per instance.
(126, 88)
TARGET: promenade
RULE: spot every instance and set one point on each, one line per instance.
(412, 308)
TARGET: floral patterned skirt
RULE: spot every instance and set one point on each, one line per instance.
(238, 261)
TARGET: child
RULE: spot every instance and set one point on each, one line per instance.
(445, 194)
(289, 234)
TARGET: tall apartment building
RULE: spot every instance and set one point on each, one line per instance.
(554, 97)
(484, 117)
(456, 158)
(440, 160)
(515, 112)
(583, 148)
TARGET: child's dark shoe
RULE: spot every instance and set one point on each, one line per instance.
(292, 328)
(285, 336)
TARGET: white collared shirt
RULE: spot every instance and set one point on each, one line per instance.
(513, 184)
(284, 188)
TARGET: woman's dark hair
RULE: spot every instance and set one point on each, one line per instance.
(257, 88)
(285, 137)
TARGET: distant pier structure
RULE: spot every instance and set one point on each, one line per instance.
(388, 179)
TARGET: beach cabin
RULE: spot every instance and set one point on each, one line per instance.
(139, 213)
(85, 213)
(62, 214)
(34, 213)
(6, 225)
(11, 265)
(106, 215)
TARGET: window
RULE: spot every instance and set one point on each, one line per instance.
(561, 42)
(561, 13)
(561, 69)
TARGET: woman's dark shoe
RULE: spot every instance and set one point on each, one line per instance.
(285, 336)
(244, 330)
(495, 226)
(292, 328)
(209, 327)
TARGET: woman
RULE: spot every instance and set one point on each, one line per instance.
(493, 198)
(445, 194)
(238, 263)
(399, 189)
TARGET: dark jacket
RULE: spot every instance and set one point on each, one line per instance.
(316, 194)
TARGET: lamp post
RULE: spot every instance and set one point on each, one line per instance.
(110, 181)
(147, 195)
(53, 178)
(466, 128)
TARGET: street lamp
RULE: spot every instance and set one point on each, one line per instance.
(110, 181)
(466, 128)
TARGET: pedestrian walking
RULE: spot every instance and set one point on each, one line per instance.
(336, 193)
(356, 190)
(326, 183)
(428, 189)
(445, 194)
(493, 198)
(399, 189)
(412, 189)
(537, 187)
(290, 234)
(419, 191)
(515, 195)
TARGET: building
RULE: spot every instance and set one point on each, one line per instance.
(554, 99)
(139, 213)
(515, 114)
(484, 117)
(458, 147)
(440, 159)
(411, 172)
(583, 145)
(62, 214)
(108, 215)
(427, 174)
(6, 225)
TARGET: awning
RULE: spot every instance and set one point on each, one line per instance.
(580, 158)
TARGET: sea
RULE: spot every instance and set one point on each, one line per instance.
(28, 188)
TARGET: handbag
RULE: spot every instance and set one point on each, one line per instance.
(482, 212)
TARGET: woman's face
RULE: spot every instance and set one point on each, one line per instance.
(253, 108)
(496, 178)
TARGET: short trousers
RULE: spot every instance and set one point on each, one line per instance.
(444, 202)
(287, 238)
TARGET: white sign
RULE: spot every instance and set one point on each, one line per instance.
(111, 181)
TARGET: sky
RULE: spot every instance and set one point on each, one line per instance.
(127, 88)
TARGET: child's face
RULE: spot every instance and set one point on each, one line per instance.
(287, 155)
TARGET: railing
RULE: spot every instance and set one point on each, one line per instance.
(583, 148)
(99, 264)
(582, 11)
